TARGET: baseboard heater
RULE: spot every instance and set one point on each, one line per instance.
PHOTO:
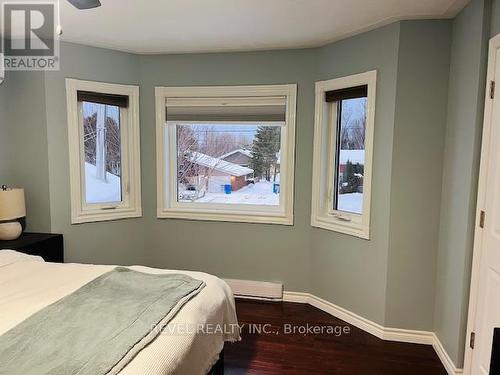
(261, 290)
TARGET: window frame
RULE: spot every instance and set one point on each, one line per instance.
(325, 148)
(130, 205)
(167, 203)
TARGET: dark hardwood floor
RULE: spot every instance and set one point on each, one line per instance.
(278, 351)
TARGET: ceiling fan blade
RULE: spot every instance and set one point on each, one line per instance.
(85, 4)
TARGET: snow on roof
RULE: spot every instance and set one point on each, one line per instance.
(243, 151)
(354, 156)
(220, 165)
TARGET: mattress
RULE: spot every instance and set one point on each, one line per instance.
(190, 344)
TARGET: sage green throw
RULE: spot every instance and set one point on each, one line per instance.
(98, 328)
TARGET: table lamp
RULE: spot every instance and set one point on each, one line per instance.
(12, 208)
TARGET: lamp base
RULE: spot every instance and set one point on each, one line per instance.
(10, 231)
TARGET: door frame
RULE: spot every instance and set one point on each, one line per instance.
(494, 44)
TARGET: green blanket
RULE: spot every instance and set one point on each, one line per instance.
(98, 328)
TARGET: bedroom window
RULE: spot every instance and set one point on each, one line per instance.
(226, 153)
(343, 143)
(103, 134)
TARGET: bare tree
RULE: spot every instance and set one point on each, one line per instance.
(193, 168)
(187, 144)
(112, 142)
(357, 134)
(353, 124)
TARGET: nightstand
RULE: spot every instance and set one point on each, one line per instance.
(49, 246)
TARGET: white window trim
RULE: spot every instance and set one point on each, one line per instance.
(130, 206)
(167, 205)
(323, 163)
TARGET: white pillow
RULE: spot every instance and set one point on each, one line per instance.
(10, 256)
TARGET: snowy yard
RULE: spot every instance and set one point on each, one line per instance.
(97, 191)
(259, 193)
(351, 202)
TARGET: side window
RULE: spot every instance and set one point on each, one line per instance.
(343, 147)
(103, 134)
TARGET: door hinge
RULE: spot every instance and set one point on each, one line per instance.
(492, 89)
(482, 216)
(472, 339)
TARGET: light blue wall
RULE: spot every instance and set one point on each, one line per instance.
(346, 270)
(234, 250)
(460, 173)
(419, 132)
(114, 242)
(5, 154)
(23, 143)
(260, 249)
(494, 6)
(412, 61)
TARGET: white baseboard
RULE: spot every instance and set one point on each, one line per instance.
(445, 358)
(337, 311)
(384, 333)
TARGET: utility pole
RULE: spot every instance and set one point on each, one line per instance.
(100, 144)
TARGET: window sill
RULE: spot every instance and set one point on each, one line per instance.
(336, 225)
(105, 215)
(224, 217)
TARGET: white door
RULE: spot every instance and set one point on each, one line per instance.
(487, 245)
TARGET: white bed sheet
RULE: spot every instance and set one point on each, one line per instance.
(27, 284)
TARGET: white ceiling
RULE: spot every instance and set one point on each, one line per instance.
(171, 26)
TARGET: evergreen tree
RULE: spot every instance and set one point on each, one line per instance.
(353, 176)
(265, 147)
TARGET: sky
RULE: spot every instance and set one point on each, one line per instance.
(112, 111)
(356, 108)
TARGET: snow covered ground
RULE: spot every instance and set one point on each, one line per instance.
(97, 191)
(259, 193)
(351, 202)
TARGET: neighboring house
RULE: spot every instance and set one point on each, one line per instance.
(353, 156)
(241, 157)
(354, 181)
(215, 173)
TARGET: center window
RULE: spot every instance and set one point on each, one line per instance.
(226, 153)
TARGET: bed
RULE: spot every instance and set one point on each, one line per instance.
(28, 285)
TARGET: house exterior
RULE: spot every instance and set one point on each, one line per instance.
(215, 173)
(241, 157)
(351, 171)
(352, 156)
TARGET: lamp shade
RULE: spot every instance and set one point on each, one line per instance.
(12, 204)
